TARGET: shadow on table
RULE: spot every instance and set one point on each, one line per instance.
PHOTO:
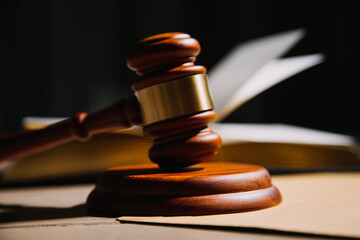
(17, 213)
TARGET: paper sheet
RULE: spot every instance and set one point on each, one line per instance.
(244, 61)
(272, 73)
(320, 203)
(233, 133)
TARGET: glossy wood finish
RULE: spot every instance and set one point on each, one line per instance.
(80, 127)
(164, 57)
(182, 141)
(207, 188)
(156, 59)
(179, 142)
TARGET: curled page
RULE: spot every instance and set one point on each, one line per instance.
(270, 74)
(244, 61)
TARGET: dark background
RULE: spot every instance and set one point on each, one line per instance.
(61, 57)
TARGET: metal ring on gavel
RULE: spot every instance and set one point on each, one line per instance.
(175, 98)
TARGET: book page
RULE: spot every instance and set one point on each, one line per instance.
(270, 74)
(244, 61)
(278, 133)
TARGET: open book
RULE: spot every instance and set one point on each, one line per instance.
(245, 72)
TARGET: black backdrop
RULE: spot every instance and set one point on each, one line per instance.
(60, 57)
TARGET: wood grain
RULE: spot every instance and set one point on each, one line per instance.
(164, 57)
(208, 188)
(80, 127)
(178, 142)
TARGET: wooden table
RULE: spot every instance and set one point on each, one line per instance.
(58, 212)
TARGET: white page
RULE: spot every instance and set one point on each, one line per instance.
(244, 61)
(270, 74)
(278, 133)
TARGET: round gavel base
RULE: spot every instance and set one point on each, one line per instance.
(203, 189)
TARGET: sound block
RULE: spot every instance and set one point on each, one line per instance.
(203, 189)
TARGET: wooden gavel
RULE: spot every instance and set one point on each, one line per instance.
(172, 103)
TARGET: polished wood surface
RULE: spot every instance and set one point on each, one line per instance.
(182, 141)
(80, 127)
(203, 189)
(179, 142)
(156, 59)
(164, 57)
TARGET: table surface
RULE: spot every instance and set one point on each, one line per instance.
(57, 212)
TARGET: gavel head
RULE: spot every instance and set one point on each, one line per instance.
(174, 99)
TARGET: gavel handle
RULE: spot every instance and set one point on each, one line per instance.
(80, 127)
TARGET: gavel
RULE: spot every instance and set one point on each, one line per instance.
(171, 102)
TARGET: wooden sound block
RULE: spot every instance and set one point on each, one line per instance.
(204, 189)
